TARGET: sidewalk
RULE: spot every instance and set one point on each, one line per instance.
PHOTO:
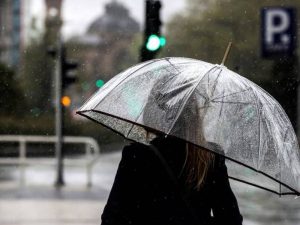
(40, 203)
(50, 212)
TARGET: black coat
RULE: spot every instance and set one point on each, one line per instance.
(143, 192)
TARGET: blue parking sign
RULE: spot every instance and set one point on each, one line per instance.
(278, 31)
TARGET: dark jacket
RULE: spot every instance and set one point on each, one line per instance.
(143, 192)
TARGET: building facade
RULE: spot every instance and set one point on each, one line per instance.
(105, 49)
(10, 32)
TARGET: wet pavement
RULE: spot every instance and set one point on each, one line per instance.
(39, 203)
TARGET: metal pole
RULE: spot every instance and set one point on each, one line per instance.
(22, 157)
(58, 115)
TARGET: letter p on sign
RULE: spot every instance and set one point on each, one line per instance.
(278, 31)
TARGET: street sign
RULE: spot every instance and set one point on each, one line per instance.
(278, 31)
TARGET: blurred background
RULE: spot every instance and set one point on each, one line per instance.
(58, 168)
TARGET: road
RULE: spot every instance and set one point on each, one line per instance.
(39, 203)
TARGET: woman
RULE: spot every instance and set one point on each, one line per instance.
(171, 181)
(144, 193)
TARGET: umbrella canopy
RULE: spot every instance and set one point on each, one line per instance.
(207, 105)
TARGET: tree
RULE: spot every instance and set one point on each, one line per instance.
(36, 77)
(204, 29)
(36, 74)
(11, 97)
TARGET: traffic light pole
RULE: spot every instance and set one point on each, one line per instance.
(63, 79)
(59, 116)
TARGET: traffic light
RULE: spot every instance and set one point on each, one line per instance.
(66, 101)
(67, 70)
(99, 83)
(153, 41)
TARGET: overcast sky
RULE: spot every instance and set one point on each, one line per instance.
(78, 14)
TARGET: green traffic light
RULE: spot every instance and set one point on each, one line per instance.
(153, 43)
(99, 83)
(162, 41)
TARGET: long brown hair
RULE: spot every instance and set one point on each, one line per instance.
(198, 160)
(196, 165)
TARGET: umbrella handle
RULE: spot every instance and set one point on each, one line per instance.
(226, 53)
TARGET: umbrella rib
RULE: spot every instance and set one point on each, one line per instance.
(188, 96)
(216, 82)
(150, 62)
(167, 59)
(261, 187)
(200, 94)
(231, 94)
(259, 117)
(212, 93)
(221, 110)
(252, 184)
(230, 102)
(288, 123)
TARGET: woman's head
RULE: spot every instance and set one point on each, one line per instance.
(198, 159)
(174, 111)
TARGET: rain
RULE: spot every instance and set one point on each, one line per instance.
(82, 79)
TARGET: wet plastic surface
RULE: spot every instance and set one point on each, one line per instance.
(203, 104)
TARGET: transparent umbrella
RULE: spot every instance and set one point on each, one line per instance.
(207, 105)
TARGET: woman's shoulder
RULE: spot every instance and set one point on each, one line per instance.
(136, 151)
(219, 160)
(135, 147)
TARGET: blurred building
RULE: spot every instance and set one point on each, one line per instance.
(10, 32)
(15, 30)
(106, 47)
(115, 21)
(115, 30)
